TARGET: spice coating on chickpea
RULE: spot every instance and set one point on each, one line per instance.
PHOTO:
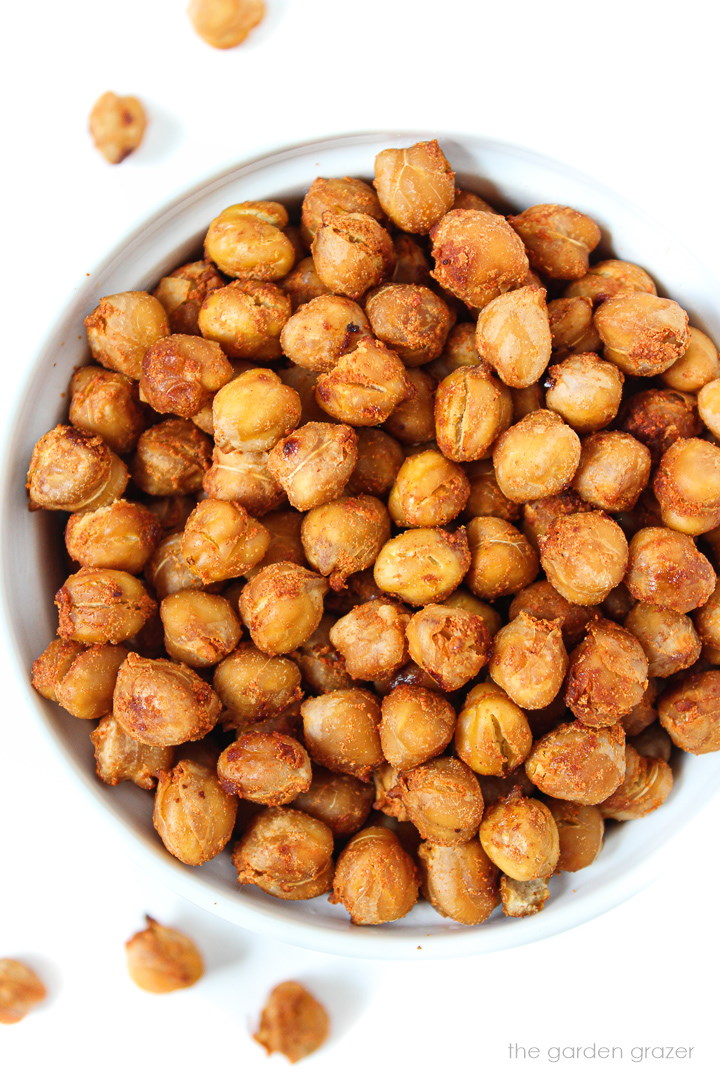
(428, 490)
(415, 186)
(181, 372)
(183, 291)
(122, 327)
(492, 734)
(106, 403)
(254, 686)
(529, 661)
(543, 601)
(371, 639)
(502, 561)
(423, 566)
(246, 241)
(171, 458)
(643, 334)
(520, 836)
(558, 239)
(607, 676)
(697, 366)
(73, 470)
(580, 829)
(323, 330)
(450, 644)
(342, 802)
(477, 256)
(285, 853)
(269, 768)
(192, 814)
(610, 278)
(341, 731)
(584, 556)
(417, 724)
(472, 408)
(118, 757)
(443, 800)
(536, 457)
(665, 568)
(344, 536)
(282, 606)
(365, 386)
(459, 881)
(352, 253)
(97, 607)
(121, 536)
(646, 786)
(376, 881)
(613, 472)
(689, 710)
(687, 486)
(200, 629)
(571, 326)
(222, 541)
(411, 319)
(581, 764)
(293, 1022)
(513, 335)
(668, 638)
(314, 463)
(163, 703)
(246, 318)
(585, 391)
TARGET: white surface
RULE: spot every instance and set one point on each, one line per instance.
(622, 93)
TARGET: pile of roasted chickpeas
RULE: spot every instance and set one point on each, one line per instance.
(392, 536)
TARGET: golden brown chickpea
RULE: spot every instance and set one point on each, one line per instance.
(242, 476)
(376, 880)
(379, 460)
(423, 566)
(161, 703)
(499, 787)
(520, 836)
(183, 291)
(171, 458)
(411, 263)
(413, 420)
(344, 536)
(643, 334)
(449, 644)
(665, 568)
(268, 768)
(119, 758)
(469, 200)
(302, 284)
(415, 185)
(342, 802)
(246, 241)
(465, 601)
(492, 734)
(647, 784)
(585, 391)
(222, 541)
(180, 374)
(293, 1022)
(580, 829)
(472, 408)
(322, 666)
(73, 470)
(411, 319)
(106, 403)
(529, 661)
(193, 816)
(121, 536)
(614, 470)
(707, 625)
(225, 23)
(171, 511)
(543, 601)
(460, 349)
(417, 724)
(99, 607)
(539, 514)
(122, 327)
(352, 253)
(581, 764)
(167, 571)
(52, 665)
(282, 606)
(428, 490)
(21, 990)
(314, 463)
(558, 239)
(459, 881)
(246, 319)
(571, 326)
(285, 853)
(486, 499)
(659, 418)
(522, 898)
(653, 742)
(371, 639)
(607, 676)
(501, 560)
(387, 793)
(117, 125)
(668, 638)
(254, 410)
(689, 710)
(644, 713)
(513, 335)
(338, 195)
(584, 556)
(536, 457)
(477, 256)
(708, 404)
(323, 330)
(687, 486)
(341, 731)
(697, 366)
(200, 629)
(526, 399)
(254, 686)
(85, 688)
(365, 386)
(443, 799)
(285, 544)
(610, 278)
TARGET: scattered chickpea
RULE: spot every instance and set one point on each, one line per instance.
(522, 898)
(571, 326)
(449, 644)
(121, 536)
(689, 710)
(246, 319)
(365, 386)
(225, 23)
(342, 802)
(171, 458)
(665, 568)
(413, 420)
(668, 638)
(118, 757)
(659, 418)
(443, 799)
(98, 607)
(380, 458)
(122, 327)
(269, 768)
(183, 291)
(646, 786)
(460, 881)
(543, 601)
(74, 470)
(161, 959)
(222, 541)
(502, 561)
(352, 253)
(613, 472)
(371, 639)
(246, 241)
(423, 566)
(117, 125)
(293, 1022)
(21, 990)
(341, 731)
(687, 486)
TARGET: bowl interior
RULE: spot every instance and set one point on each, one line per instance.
(32, 565)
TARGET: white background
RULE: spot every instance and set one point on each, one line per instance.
(625, 91)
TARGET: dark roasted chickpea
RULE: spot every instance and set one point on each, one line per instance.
(459, 881)
(171, 458)
(513, 335)
(119, 758)
(365, 386)
(359, 589)
(415, 185)
(665, 568)
(285, 853)
(344, 536)
(697, 366)
(643, 334)
(167, 571)
(449, 644)
(443, 800)
(293, 1022)
(417, 724)
(653, 742)
(302, 284)
(428, 490)
(571, 326)
(183, 291)
(585, 391)
(268, 768)
(122, 327)
(558, 239)
(659, 418)
(341, 731)
(520, 836)
(610, 278)
(486, 499)
(98, 607)
(242, 476)
(180, 374)
(581, 764)
(254, 686)
(246, 318)
(614, 470)
(707, 625)
(477, 256)
(536, 457)
(413, 420)
(411, 319)
(376, 880)
(644, 713)
(687, 486)
(472, 408)
(607, 676)
(501, 559)
(222, 541)
(322, 666)
(342, 802)
(200, 629)
(352, 253)
(314, 463)
(193, 816)
(689, 710)
(423, 566)
(323, 330)
(668, 638)
(539, 514)
(73, 470)
(106, 403)
(81, 681)
(580, 829)
(285, 544)
(492, 734)
(246, 241)
(379, 460)
(543, 601)
(339, 195)
(254, 410)
(121, 536)
(529, 661)
(161, 703)
(646, 786)
(584, 556)
(411, 263)
(282, 606)
(371, 639)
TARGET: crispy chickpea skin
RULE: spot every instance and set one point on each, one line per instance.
(286, 853)
(417, 724)
(443, 800)
(450, 644)
(376, 880)
(577, 763)
(162, 703)
(371, 639)
(543, 601)
(183, 291)
(85, 687)
(472, 408)
(118, 757)
(171, 458)
(536, 457)
(613, 472)
(643, 334)
(585, 391)
(181, 372)
(314, 463)
(121, 536)
(522, 898)
(379, 460)
(665, 568)
(254, 686)
(413, 420)
(460, 349)
(477, 256)
(428, 490)
(200, 629)
(687, 486)
(192, 814)
(293, 1022)
(644, 713)
(540, 514)
(254, 411)
(322, 666)
(423, 566)
(242, 476)
(225, 23)
(571, 326)
(607, 676)
(492, 735)
(246, 241)
(415, 185)
(322, 331)
(529, 661)
(584, 556)
(365, 386)
(285, 544)
(658, 418)
(97, 607)
(73, 470)
(558, 239)
(246, 319)
(668, 638)
(338, 195)
(513, 335)
(689, 710)
(166, 570)
(302, 284)
(342, 802)
(520, 836)
(282, 606)
(344, 536)
(106, 403)
(269, 768)
(411, 263)
(580, 829)
(352, 253)
(646, 786)
(222, 541)
(697, 366)
(486, 499)
(460, 881)
(411, 319)
(341, 731)
(122, 327)
(502, 561)
(52, 665)
(610, 278)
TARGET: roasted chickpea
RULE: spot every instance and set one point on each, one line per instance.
(122, 327)
(584, 556)
(687, 486)
(314, 463)
(543, 601)
(417, 724)
(285, 853)
(416, 185)
(200, 629)
(668, 638)
(665, 568)
(607, 676)
(539, 514)
(365, 386)
(614, 470)
(708, 404)
(302, 284)
(689, 710)
(73, 470)
(465, 601)
(423, 566)
(342, 802)
(659, 418)
(571, 326)
(180, 374)
(246, 319)
(513, 335)
(644, 713)
(341, 731)
(580, 829)
(536, 457)
(254, 686)
(697, 366)
(352, 253)
(486, 499)
(707, 626)
(254, 410)
(558, 239)
(119, 758)
(646, 786)
(477, 256)
(98, 607)
(161, 703)
(106, 403)
(460, 349)
(469, 200)
(472, 408)
(643, 334)
(499, 787)
(376, 880)
(611, 278)
(323, 330)
(242, 476)
(117, 125)
(171, 458)
(522, 898)
(52, 665)
(459, 881)
(121, 536)
(222, 541)
(193, 816)
(345, 536)
(449, 644)
(268, 768)
(225, 25)
(246, 241)
(411, 319)
(428, 490)
(520, 836)
(501, 559)
(492, 734)
(371, 639)
(653, 742)
(167, 571)
(529, 661)
(337, 195)
(81, 680)
(282, 606)
(585, 391)
(183, 291)
(411, 263)
(581, 764)
(322, 666)
(413, 420)
(443, 800)
(526, 399)
(285, 544)
(379, 460)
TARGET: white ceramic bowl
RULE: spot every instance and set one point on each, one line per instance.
(31, 564)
